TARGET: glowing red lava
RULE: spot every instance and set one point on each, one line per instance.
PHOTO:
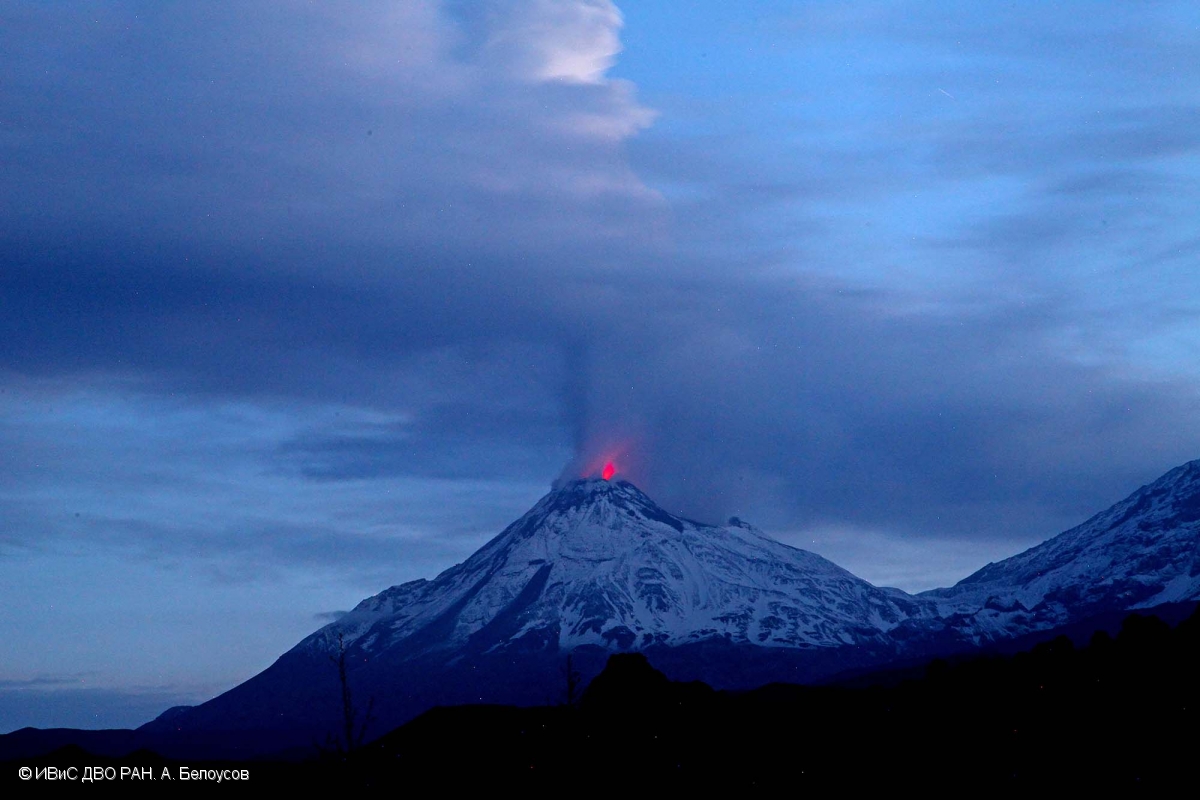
(608, 472)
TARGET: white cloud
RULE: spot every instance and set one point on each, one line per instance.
(548, 40)
(465, 129)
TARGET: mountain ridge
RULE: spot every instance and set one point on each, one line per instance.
(599, 561)
(596, 567)
(1142, 551)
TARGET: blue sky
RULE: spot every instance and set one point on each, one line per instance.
(299, 303)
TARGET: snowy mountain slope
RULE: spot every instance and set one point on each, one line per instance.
(594, 568)
(1141, 552)
(598, 563)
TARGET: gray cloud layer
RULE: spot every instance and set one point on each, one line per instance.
(442, 218)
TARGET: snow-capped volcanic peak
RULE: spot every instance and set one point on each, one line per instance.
(598, 562)
(597, 566)
(1141, 552)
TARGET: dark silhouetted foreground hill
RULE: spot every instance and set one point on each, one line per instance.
(1117, 714)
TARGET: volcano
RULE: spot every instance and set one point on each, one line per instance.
(596, 567)
(597, 564)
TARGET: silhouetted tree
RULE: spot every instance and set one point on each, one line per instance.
(353, 738)
(573, 677)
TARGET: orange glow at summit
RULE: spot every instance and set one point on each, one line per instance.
(609, 461)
